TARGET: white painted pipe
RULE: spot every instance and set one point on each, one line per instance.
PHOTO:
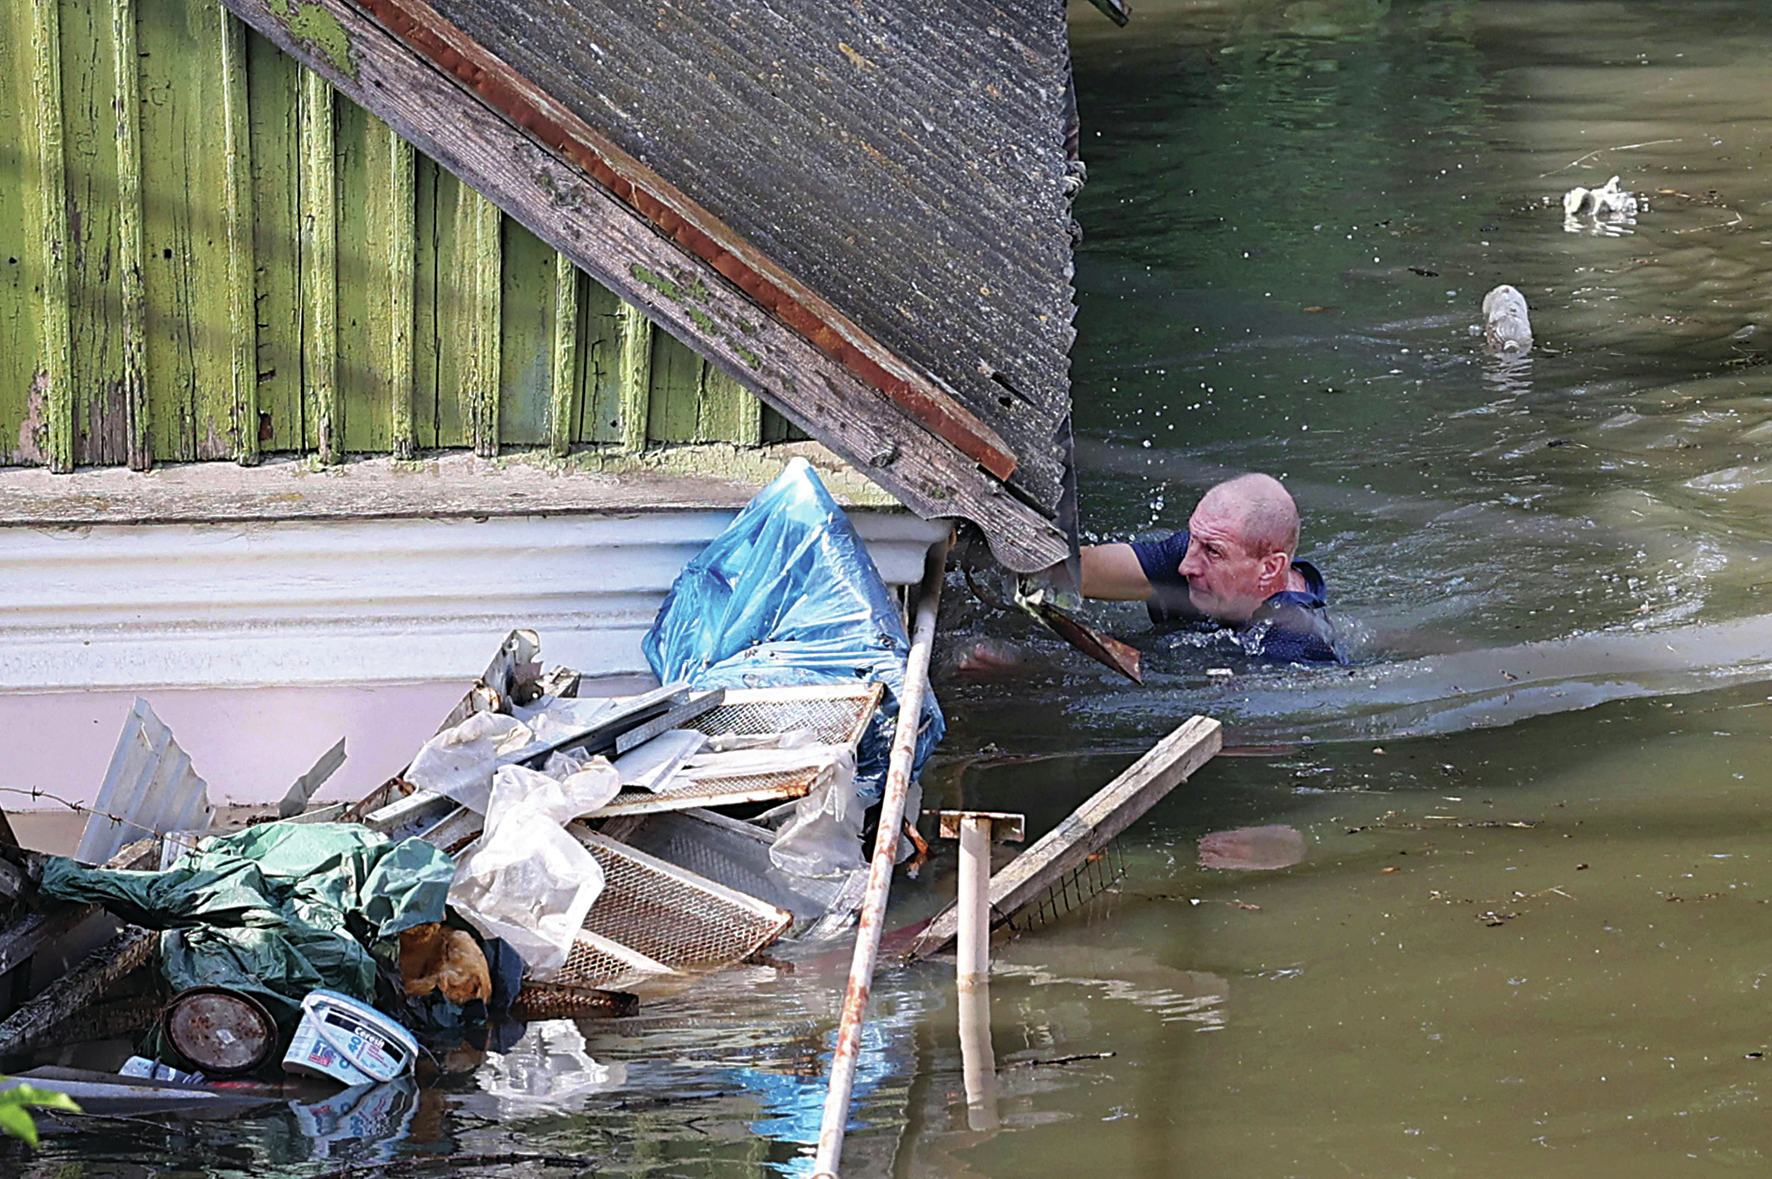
(973, 966)
(873, 911)
(978, 1060)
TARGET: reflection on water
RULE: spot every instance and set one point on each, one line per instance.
(1526, 932)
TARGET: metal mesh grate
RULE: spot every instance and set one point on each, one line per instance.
(589, 964)
(837, 715)
(734, 854)
(672, 915)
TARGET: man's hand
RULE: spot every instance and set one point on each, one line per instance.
(1111, 573)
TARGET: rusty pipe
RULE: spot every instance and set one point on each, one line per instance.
(873, 905)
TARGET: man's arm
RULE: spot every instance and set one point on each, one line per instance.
(1111, 573)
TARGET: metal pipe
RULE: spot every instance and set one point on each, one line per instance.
(873, 906)
(978, 1060)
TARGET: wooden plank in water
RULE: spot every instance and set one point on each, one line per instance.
(84, 984)
(1089, 828)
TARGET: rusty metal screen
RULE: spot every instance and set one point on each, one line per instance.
(672, 916)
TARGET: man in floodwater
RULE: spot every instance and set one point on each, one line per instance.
(1232, 566)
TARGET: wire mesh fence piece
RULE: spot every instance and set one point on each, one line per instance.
(1065, 852)
(1097, 873)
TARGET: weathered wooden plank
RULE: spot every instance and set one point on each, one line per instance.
(565, 394)
(487, 333)
(55, 381)
(634, 376)
(1089, 828)
(524, 379)
(189, 356)
(90, 145)
(727, 409)
(319, 270)
(87, 981)
(402, 280)
(673, 403)
(273, 81)
(21, 392)
(366, 217)
(599, 349)
(436, 309)
(132, 292)
(237, 229)
(674, 287)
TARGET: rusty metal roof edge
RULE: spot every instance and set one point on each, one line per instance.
(927, 399)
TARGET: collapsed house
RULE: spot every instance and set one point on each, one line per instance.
(337, 338)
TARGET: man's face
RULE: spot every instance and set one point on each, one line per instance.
(1225, 580)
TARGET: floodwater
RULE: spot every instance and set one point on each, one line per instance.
(1526, 934)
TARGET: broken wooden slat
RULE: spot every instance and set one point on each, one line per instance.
(676, 288)
(1087, 829)
(88, 981)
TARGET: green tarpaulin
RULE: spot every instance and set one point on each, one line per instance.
(275, 910)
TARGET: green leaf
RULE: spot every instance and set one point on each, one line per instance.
(15, 1122)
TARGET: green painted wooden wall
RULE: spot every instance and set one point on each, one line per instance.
(205, 253)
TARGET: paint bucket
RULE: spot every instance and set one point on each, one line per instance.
(224, 1033)
(348, 1041)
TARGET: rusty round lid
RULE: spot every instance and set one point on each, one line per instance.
(220, 1031)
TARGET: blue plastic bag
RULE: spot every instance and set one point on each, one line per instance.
(788, 595)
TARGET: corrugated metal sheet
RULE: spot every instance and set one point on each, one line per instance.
(149, 789)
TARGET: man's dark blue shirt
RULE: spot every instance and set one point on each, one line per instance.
(1292, 625)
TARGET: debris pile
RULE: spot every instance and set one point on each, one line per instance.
(544, 849)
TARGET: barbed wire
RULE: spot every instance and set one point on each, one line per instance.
(78, 808)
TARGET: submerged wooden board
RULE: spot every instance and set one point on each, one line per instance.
(1087, 829)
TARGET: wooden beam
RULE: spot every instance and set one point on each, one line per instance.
(677, 289)
(237, 226)
(402, 290)
(564, 406)
(319, 265)
(132, 289)
(1087, 829)
(88, 981)
(20, 940)
(55, 376)
(633, 374)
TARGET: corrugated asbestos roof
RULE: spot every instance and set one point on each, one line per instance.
(883, 183)
(904, 160)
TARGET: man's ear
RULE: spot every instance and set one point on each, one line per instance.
(1273, 568)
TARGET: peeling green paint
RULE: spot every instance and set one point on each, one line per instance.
(319, 28)
(185, 236)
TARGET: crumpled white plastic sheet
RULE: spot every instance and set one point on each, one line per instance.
(525, 879)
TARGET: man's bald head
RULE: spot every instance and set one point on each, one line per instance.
(1259, 509)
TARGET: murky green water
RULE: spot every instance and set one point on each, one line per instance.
(1527, 936)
